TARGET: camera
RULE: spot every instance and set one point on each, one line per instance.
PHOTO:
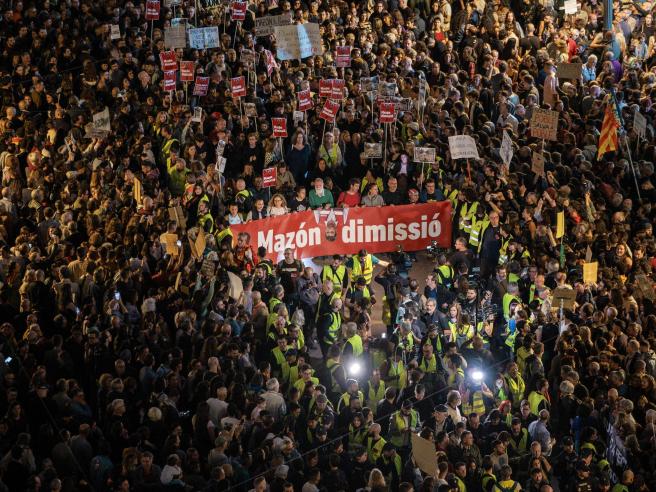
(433, 249)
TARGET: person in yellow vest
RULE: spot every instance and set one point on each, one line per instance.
(374, 443)
(357, 291)
(445, 272)
(353, 348)
(403, 422)
(467, 209)
(519, 439)
(335, 271)
(170, 147)
(627, 482)
(357, 432)
(374, 390)
(474, 392)
(394, 371)
(390, 464)
(337, 384)
(488, 480)
(539, 399)
(362, 265)
(205, 219)
(506, 483)
(455, 371)
(290, 369)
(352, 389)
(480, 222)
(516, 385)
(277, 357)
(306, 377)
(509, 298)
(329, 325)
(459, 476)
(523, 352)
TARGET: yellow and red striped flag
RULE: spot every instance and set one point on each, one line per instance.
(608, 138)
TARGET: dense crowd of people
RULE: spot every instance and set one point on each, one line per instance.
(132, 362)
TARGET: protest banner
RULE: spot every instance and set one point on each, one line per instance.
(369, 84)
(250, 110)
(175, 37)
(198, 115)
(279, 127)
(238, 11)
(238, 86)
(329, 110)
(506, 150)
(298, 41)
(201, 85)
(269, 177)
(168, 60)
(304, 100)
(463, 147)
(387, 113)
(424, 154)
(560, 225)
(299, 117)
(187, 71)
(101, 121)
(544, 124)
(571, 71)
(382, 229)
(264, 26)
(590, 272)
(571, 7)
(423, 452)
(343, 56)
(325, 87)
(387, 89)
(177, 215)
(169, 80)
(152, 10)
(537, 164)
(639, 124)
(204, 37)
(373, 150)
(115, 32)
(337, 89)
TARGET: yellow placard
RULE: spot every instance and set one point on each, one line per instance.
(171, 243)
(137, 190)
(200, 243)
(560, 225)
(590, 272)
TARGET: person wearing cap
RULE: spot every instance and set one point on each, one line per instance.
(565, 462)
(335, 271)
(582, 480)
(402, 423)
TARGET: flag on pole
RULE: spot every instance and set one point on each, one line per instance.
(608, 140)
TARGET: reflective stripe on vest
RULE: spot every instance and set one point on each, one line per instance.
(431, 367)
(476, 406)
(336, 277)
(375, 451)
(359, 271)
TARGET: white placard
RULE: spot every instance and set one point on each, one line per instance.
(299, 117)
(506, 150)
(175, 37)
(221, 163)
(544, 124)
(373, 150)
(101, 121)
(639, 124)
(571, 7)
(298, 41)
(204, 37)
(115, 32)
(198, 115)
(424, 154)
(264, 26)
(463, 147)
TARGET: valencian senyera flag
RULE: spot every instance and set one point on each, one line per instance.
(608, 140)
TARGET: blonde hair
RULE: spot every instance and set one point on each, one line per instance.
(376, 479)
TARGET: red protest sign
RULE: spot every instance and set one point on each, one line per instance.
(304, 100)
(152, 10)
(325, 87)
(269, 176)
(201, 85)
(238, 11)
(329, 110)
(238, 86)
(343, 58)
(169, 80)
(279, 127)
(187, 71)
(168, 60)
(387, 113)
(337, 90)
